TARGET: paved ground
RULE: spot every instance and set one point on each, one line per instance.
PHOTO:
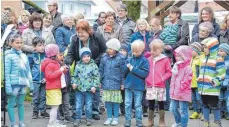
(43, 122)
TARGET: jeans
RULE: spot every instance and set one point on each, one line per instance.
(211, 102)
(39, 98)
(137, 95)
(167, 102)
(64, 108)
(224, 101)
(112, 108)
(196, 100)
(18, 96)
(81, 99)
(95, 103)
(181, 116)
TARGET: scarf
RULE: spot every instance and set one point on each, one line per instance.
(108, 29)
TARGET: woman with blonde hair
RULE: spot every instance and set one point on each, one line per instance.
(224, 33)
(77, 17)
(23, 22)
(142, 32)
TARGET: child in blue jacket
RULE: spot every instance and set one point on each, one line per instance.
(18, 77)
(136, 70)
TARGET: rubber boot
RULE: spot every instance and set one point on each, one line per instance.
(150, 119)
(162, 118)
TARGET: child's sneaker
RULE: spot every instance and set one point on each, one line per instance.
(15, 125)
(206, 124)
(108, 121)
(21, 125)
(69, 119)
(176, 125)
(35, 115)
(45, 115)
(77, 123)
(194, 115)
(127, 124)
(114, 122)
(88, 123)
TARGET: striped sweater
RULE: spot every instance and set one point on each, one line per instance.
(212, 69)
(169, 34)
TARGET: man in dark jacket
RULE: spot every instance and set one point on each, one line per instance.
(53, 7)
(126, 23)
(100, 21)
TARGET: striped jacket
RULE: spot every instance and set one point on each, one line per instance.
(212, 69)
(17, 70)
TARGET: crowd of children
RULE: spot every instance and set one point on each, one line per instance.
(132, 76)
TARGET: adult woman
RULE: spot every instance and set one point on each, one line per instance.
(207, 15)
(224, 33)
(110, 29)
(47, 29)
(205, 31)
(77, 17)
(24, 21)
(35, 26)
(85, 37)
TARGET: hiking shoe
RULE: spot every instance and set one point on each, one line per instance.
(69, 119)
(114, 122)
(35, 115)
(194, 115)
(108, 121)
(45, 115)
(96, 116)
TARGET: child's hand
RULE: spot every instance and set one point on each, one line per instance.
(74, 86)
(93, 89)
(122, 87)
(213, 84)
(168, 47)
(43, 81)
(130, 66)
(64, 69)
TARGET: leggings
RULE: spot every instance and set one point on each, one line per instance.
(19, 99)
(152, 105)
(53, 113)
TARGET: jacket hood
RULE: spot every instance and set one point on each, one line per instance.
(185, 52)
(212, 44)
(45, 62)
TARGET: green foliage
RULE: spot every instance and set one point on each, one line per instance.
(134, 9)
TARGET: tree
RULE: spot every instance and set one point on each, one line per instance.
(134, 9)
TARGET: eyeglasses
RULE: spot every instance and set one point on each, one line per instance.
(50, 5)
(25, 15)
(121, 10)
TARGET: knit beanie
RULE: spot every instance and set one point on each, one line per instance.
(85, 51)
(124, 47)
(224, 47)
(5, 17)
(196, 46)
(51, 50)
(114, 44)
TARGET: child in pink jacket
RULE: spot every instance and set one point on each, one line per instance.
(160, 71)
(180, 86)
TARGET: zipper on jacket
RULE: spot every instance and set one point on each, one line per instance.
(204, 74)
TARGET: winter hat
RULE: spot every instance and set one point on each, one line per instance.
(196, 46)
(124, 47)
(113, 44)
(51, 50)
(224, 47)
(85, 51)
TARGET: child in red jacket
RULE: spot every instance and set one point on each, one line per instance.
(160, 71)
(53, 71)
